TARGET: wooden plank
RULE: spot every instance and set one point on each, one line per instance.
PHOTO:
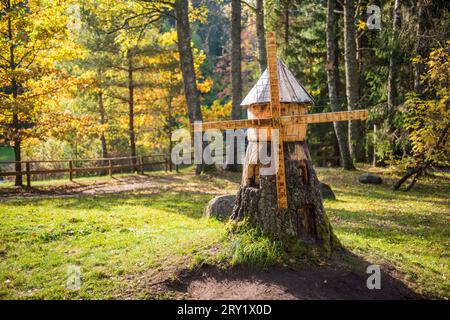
(121, 166)
(281, 174)
(275, 107)
(11, 174)
(110, 168)
(287, 120)
(141, 163)
(337, 116)
(77, 160)
(27, 166)
(70, 170)
(234, 124)
(326, 117)
(24, 173)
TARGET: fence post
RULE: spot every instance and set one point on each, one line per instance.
(141, 160)
(27, 166)
(166, 164)
(133, 165)
(170, 165)
(70, 170)
(110, 171)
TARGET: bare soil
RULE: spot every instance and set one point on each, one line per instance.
(281, 283)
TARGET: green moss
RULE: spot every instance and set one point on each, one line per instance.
(251, 246)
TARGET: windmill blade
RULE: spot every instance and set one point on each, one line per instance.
(337, 116)
(326, 117)
(284, 120)
(233, 124)
(275, 107)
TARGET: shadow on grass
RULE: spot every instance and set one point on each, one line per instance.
(190, 204)
(431, 187)
(390, 225)
(233, 177)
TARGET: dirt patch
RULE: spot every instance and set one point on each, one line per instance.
(132, 183)
(280, 283)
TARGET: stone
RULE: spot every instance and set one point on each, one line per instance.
(369, 178)
(220, 207)
(326, 191)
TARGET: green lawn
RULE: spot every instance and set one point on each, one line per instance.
(121, 239)
(109, 237)
(407, 230)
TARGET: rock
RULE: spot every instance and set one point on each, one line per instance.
(326, 191)
(369, 178)
(220, 207)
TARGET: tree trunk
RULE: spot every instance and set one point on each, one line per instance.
(187, 61)
(352, 81)
(305, 219)
(374, 159)
(236, 72)
(286, 26)
(392, 64)
(261, 36)
(131, 110)
(170, 126)
(340, 128)
(15, 125)
(101, 109)
(187, 64)
(423, 165)
(236, 59)
(420, 46)
(17, 151)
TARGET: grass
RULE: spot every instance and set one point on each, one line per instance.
(407, 230)
(250, 247)
(118, 238)
(108, 237)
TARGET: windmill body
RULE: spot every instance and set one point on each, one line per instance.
(286, 203)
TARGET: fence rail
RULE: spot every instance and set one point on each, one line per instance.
(138, 164)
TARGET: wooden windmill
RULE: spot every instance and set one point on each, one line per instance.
(279, 102)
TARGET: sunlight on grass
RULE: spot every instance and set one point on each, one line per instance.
(106, 236)
(407, 230)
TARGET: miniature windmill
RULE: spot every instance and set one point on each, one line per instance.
(279, 102)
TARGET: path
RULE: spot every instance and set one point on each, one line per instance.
(130, 183)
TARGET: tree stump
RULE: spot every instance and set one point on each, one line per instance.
(305, 219)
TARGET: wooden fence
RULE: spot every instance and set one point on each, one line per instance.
(137, 164)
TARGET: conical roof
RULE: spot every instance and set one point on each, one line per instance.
(290, 89)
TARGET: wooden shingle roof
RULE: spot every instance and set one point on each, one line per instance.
(290, 89)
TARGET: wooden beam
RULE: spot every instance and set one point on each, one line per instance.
(272, 63)
(286, 120)
(275, 108)
(234, 124)
(326, 117)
